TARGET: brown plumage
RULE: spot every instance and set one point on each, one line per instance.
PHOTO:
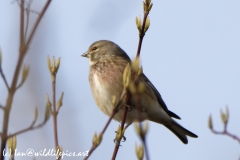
(107, 63)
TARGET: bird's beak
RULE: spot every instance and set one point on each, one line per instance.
(85, 55)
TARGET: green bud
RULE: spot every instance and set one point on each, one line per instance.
(227, 114)
(57, 64)
(135, 65)
(147, 2)
(139, 149)
(12, 145)
(48, 109)
(25, 72)
(137, 128)
(35, 114)
(59, 103)
(145, 128)
(141, 87)
(150, 7)
(9, 142)
(94, 139)
(139, 24)
(53, 68)
(49, 104)
(126, 75)
(97, 139)
(147, 24)
(145, 6)
(141, 131)
(140, 71)
(132, 88)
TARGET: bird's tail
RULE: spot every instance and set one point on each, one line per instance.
(180, 131)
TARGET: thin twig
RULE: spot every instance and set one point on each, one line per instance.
(141, 35)
(3, 77)
(19, 85)
(31, 127)
(37, 22)
(142, 136)
(1, 107)
(54, 111)
(225, 132)
(28, 15)
(115, 110)
(146, 149)
(11, 91)
(225, 118)
(22, 52)
(119, 141)
(27, 8)
(122, 127)
(22, 39)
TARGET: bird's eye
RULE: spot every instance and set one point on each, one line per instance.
(94, 48)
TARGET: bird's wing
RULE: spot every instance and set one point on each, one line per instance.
(159, 98)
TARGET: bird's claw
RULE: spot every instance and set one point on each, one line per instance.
(124, 139)
(116, 141)
(129, 108)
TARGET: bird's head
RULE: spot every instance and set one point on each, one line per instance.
(103, 49)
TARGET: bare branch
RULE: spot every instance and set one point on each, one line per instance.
(27, 19)
(54, 111)
(22, 40)
(225, 132)
(118, 141)
(224, 117)
(142, 135)
(3, 77)
(141, 35)
(11, 90)
(115, 110)
(1, 107)
(19, 85)
(37, 22)
(31, 127)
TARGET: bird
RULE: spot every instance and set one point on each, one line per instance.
(107, 63)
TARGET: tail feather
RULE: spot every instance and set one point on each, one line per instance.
(180, 132)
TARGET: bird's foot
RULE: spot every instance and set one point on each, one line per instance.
(129, 108)
(118, 139)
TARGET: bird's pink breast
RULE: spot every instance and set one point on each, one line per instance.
(106, 81)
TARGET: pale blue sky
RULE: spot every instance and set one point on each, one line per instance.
(191, 53)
